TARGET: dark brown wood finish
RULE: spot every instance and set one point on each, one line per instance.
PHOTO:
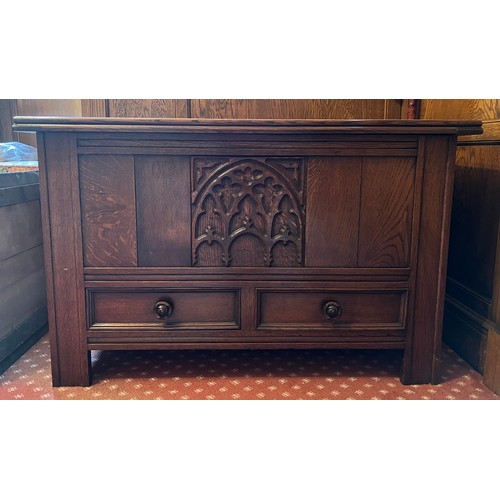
(333, 211)
(163, 210)
(386, 212)
(107, 185)
(424, 340)
(248, 212)
(319, 233)
(190, 309)
(304, 309)
(59, 196)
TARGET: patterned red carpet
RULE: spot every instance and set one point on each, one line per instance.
(250, 375)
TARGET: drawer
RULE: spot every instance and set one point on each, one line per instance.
(331, 309)
(181, 309)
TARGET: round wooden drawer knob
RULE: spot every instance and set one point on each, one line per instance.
(332, 309)
(163, 309)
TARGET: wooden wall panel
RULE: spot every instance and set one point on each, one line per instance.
(460, 109)
(95, 107)
(163, 221)
(332, 212)
(475, 218)
(295, 108)
(108, 202)
(148, 108)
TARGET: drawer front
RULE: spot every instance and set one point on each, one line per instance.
(163, 309)
(331, 309)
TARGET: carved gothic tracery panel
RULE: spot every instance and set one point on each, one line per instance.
(247, 212)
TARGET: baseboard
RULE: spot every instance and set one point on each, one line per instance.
(19, 340)
(469, 298)
(465, 332)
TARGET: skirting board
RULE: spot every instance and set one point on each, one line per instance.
(465, 332)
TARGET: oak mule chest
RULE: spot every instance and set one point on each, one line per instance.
(189, 234)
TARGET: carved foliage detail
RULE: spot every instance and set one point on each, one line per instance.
(247, 212)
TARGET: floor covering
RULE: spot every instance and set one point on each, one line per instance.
(242, 375)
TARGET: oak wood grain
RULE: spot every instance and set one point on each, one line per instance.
(63, 259)
(460, 109)
(293, 108)
(421, 360)
(333, 190)
(255, 128)
(386, 212)
(247, 212)
(191, 309)
(108, 207)
(302, 309)
(394, 302)
(95, 107)
(148, 108)
(163, 210)
(490, 135)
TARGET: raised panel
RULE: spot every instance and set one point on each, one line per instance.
(163, 210)
(247, 212)
(191, 309)
(108, 210)
(386, 211)
(333, 186)
(303, 309)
